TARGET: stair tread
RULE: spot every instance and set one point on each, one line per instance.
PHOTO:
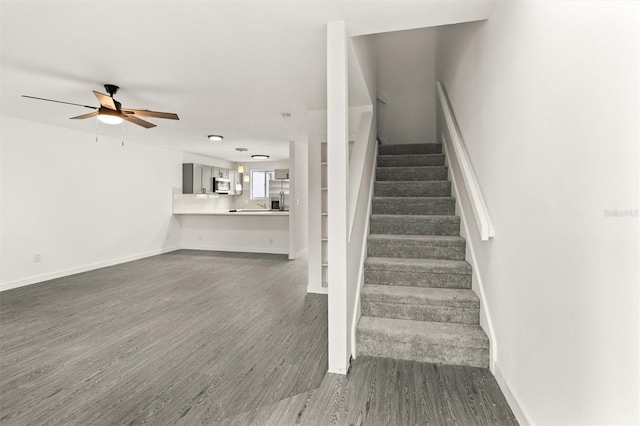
(414, 199)
(420, 295)
(439, 240)
(438, 333)
(410, 155)
(432, 265)
(411, 167)
(416, 217)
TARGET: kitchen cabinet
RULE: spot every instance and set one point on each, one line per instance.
(207, 181)
(192, 179)
(198, 179)
(235, 178)
(221, 173)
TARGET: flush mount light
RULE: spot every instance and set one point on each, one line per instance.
(108, 116)
(287, 115)
(215, 137)
(260, 156)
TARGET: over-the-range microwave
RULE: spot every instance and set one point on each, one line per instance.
(221, 186)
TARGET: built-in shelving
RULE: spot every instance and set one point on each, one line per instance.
(325, 216)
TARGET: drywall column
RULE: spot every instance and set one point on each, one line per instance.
(337, 157)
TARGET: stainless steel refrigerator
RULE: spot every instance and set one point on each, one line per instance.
(279, 193)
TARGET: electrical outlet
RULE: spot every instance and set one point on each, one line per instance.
(270, 240)
(200, 238)
(168, 236)
(37, 257)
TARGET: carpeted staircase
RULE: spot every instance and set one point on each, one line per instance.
(417, 301)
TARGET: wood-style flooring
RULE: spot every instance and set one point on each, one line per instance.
(195, 337)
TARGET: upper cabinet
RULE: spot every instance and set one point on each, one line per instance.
(198, 179)
(221, 173)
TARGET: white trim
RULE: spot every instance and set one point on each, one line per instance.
(263, 250)
(84, 268)
(480, 211)
(512, 398)
(365, 237)
(302, 252)
(493, 346)
(317, 290)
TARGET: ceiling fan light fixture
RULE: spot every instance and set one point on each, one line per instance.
(109, 117)
(215, 138)
(260, 157)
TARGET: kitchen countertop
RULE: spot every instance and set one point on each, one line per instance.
(236, 213)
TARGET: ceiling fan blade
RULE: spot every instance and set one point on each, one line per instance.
(147, 113)
(80, 117)
(139, 122)
(60, 102)
(105, 100)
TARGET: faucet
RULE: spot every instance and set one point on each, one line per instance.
(264, 206)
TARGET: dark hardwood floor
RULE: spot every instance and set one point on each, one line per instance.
(196, 337)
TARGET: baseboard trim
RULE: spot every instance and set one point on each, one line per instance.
(84, 268)
(262, 250)
(317, 290)
(512, 398)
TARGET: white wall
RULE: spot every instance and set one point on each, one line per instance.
(81, 204)
(546, 97)
(407, 82)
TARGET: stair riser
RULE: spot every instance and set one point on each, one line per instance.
(423, 148)
(423, 351)
(410, 173)
(408, 207)
(376, 249)
(411, 160)
(416, 279)
(412, 189)
(448, 228)
(421, 312)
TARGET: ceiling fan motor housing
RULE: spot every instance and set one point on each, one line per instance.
(111, 89)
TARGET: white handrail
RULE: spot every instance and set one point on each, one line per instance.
(357, 164)
(480, 211)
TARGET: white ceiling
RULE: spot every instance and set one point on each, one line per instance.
(226, 67)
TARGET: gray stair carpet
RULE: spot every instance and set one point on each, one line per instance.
(416, 302)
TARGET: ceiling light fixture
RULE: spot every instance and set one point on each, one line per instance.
(260, 156)
(108, 116)
(287, 115)
(240, 165)
(216, 138)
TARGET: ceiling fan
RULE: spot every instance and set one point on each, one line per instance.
(112, 112)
